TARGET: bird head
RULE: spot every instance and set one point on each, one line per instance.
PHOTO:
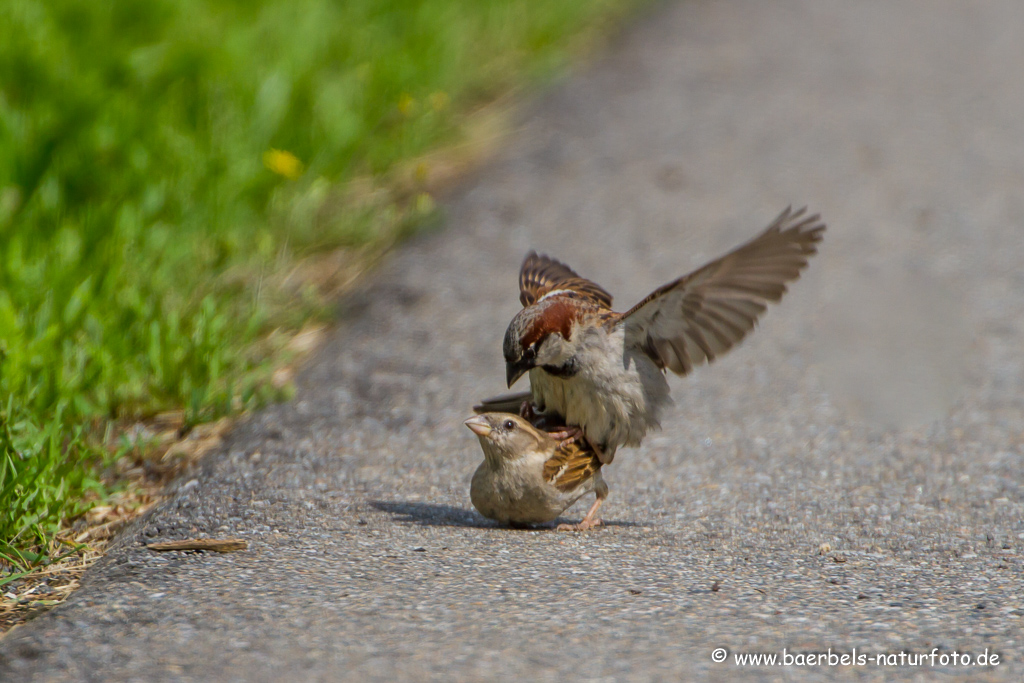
(540, 336)
(506, 437)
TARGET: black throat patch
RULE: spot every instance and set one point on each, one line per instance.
(564, 371)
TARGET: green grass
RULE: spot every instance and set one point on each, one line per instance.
(163, 161)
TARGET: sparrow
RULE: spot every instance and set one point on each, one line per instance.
(527, 477)
(603, 372)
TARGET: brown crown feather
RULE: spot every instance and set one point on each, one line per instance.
(557, 315)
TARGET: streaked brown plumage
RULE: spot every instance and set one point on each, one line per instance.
(572, 464)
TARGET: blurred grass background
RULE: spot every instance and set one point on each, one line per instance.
(164, 163)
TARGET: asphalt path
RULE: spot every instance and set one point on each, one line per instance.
(852, 476)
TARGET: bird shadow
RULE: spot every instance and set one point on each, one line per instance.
(433, 514)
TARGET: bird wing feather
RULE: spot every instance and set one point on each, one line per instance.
(570, 466)
(541, 275)
(702, 315)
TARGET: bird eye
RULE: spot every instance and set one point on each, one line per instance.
(509, 425)
(530, 353)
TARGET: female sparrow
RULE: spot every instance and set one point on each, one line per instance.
(528, 477)
(604, 372)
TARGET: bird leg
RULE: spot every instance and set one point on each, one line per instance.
(597, 451)
(587, 523)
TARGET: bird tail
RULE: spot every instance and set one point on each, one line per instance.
(505, 403)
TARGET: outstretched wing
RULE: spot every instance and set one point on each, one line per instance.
(542, 275)
(704, 314)
(571, 466)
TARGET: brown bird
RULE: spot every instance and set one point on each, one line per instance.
(527, 477)
(604, 372)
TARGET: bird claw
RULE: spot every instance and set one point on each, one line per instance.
(566, 435)
(585, 525)
(588, 522)
(571, 435)
(527, 412)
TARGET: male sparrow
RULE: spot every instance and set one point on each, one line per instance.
(528, 477)
(604, 372)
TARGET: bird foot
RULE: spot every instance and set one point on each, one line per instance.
(585, 525)
(566, 435)
(527, 412)
(571, 435)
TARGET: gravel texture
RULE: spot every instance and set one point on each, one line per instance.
(851, 477)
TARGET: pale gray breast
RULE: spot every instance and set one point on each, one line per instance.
(518, 495)
(615, 401)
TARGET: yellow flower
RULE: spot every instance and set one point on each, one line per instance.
(439, 101)
(425, 203)
(407, 104)
(421, 172)
(283, 163)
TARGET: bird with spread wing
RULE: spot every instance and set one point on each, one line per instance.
(602, 373)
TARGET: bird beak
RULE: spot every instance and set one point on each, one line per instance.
(513, 371)
(479, 425)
